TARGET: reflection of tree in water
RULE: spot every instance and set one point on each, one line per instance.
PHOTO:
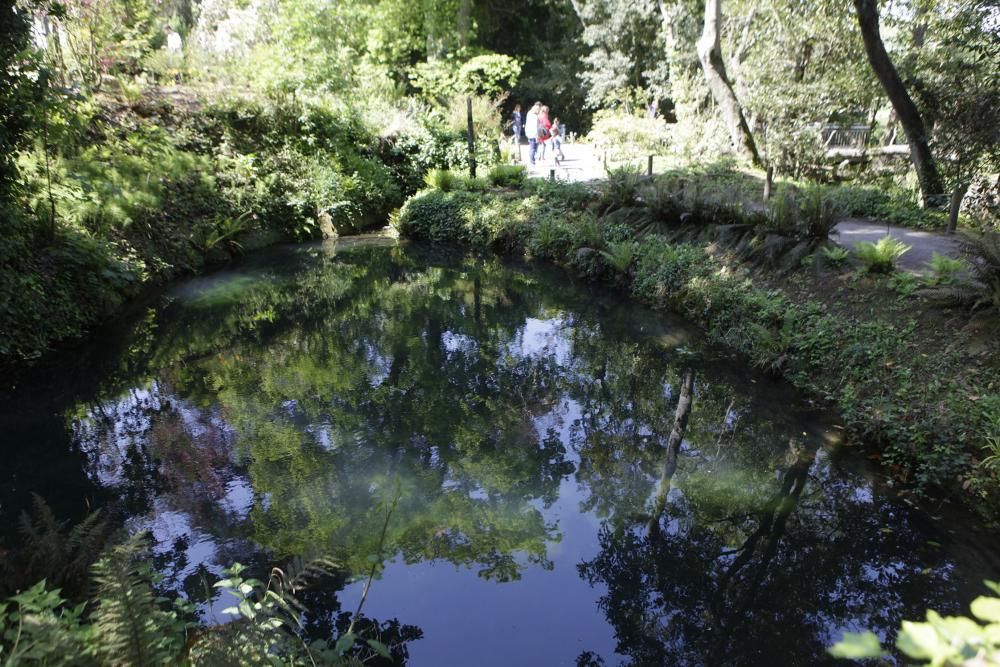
(767, 575)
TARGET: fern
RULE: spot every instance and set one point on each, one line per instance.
(440, 179)
(619, 256)
(944, 269)
(621, 189)
(881, 256)
(132, 628)
(52, 551)
(981, 289)
(984, 250)
(835, 254)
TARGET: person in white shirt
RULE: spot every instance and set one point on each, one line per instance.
(174, 43)
(531, 131)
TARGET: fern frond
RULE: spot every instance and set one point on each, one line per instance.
(131, 628)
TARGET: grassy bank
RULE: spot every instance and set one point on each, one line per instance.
(129, 193)
(915, 382)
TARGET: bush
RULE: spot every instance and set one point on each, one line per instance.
(627, 136)
(436, 216)
(881, 256)
(508, 175)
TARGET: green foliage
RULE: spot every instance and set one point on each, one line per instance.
(628, 137)
(835, 254)
(128, 620)
(818, 215)
(490, 74)
(944, 269)
(881, 256)
(38, 627)
(620, 256)
(904, 283)
(946, 641)
(857, 646)
(441, 179)
(621, 189)
(508, 175)
(887, 201)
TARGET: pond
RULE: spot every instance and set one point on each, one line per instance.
(514, 422)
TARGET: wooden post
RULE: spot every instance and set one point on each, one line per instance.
(472, 138)
(649, 167)
(768, 182)
(552, 174)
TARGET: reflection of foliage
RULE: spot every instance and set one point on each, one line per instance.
(714, 575)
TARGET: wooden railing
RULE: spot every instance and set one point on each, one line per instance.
(845, 136)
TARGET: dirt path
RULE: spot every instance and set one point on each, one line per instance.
(580, 165)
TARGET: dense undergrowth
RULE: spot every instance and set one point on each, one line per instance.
(98, 602)
(134, 193)
(917, 386)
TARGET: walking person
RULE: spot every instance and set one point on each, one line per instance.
(557, 137)
(516, 126)
(531, 129)
(544, 129)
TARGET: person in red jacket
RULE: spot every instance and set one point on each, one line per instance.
(544, 130)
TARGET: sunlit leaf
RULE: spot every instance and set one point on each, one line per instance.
(857, 645)
(986, 608)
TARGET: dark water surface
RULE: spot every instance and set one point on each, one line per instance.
(272, 410)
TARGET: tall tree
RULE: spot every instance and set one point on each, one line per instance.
(710, 55)
(931, 186)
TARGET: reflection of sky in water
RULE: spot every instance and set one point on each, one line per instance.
(529, 613)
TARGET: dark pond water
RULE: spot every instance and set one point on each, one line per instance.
(272, 410)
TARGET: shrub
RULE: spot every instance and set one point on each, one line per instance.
(629, 136)
(508, 175)
(881, 256)
(948, 640)
(434, 216)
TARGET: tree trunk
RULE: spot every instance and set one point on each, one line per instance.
(931, 188)
(673, 446)
(463, 22)
(957, 195)
(472, 138)
(710, 55)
